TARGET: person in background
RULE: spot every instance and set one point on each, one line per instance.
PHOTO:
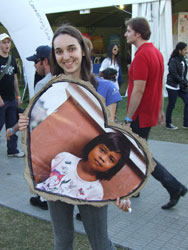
(90, 48)
(42, 65)
(109, 74)
(106, 88)
(41, 61)
(8, 88)
(145, 99)
(37, 78)
(112, 61)
(177, 84)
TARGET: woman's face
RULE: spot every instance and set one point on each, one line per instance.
(68, 54)
(115, 50)
(183, 52)
(101, 159)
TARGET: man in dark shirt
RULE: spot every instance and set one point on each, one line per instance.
(8, 89)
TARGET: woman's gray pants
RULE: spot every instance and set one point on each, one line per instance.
(94, 220)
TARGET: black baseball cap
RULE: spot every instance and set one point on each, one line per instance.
(108, 72)
(41, 52)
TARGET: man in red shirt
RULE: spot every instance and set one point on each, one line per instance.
(145, 99)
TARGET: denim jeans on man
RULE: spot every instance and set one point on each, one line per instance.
(8, 117)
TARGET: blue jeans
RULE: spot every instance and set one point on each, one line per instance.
(9, 118)
(160, 173)
(94, 220)
(172, 97)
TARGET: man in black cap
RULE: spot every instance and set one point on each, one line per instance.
(41, 62)
(42, 65)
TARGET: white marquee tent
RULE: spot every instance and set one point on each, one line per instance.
(28, 26)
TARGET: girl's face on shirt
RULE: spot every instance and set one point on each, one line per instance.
(101, 159)
(183, 52)
(68, 54)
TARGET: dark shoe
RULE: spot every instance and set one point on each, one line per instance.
(78, 217)
(171, 126)
(136, 195)
(36, 201)
(175, 198)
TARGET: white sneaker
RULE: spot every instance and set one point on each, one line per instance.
(185, 127)
(171, 126)
(19, 154)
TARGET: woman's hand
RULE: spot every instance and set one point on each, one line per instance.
(23, 121)
(124, 205)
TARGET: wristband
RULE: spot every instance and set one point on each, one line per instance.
(18, 97)
(12, 131)
(128, 120)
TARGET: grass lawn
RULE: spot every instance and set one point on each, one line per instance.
(23, 232)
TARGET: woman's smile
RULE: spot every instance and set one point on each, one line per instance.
(68, 64)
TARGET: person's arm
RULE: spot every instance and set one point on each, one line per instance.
(136, 97)
(112, 108)
(161, 119)
(16, 88)
(21, 125)
(1, 102)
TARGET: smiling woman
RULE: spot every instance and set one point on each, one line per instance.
(64, 117)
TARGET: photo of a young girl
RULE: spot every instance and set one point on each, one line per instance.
(80, 178)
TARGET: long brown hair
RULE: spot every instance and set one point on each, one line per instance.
(86, 74)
